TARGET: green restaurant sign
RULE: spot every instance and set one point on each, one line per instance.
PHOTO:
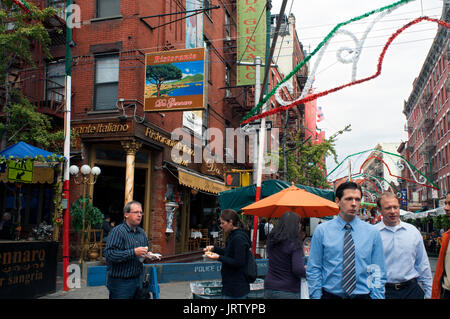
(251, 42)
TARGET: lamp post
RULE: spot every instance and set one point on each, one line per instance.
(88, 176)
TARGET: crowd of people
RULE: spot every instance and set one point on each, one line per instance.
(349, 258)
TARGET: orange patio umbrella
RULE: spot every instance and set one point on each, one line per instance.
(292, 199)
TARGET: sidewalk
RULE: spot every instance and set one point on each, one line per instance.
(172, 290)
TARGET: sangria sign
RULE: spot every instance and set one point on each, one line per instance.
(27, 269)
(174, 80)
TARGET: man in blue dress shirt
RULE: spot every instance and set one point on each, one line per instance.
(324, 271)
(407, 261)
(126, 249)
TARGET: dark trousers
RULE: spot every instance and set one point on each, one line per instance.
(445, 294)
(122, 288)
(329, 295)
(408, 290)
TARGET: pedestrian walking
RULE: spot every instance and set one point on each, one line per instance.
(441, 281)
(285, 253)
(407, 265)
(126, 249)
(346, 260)
(233, 257)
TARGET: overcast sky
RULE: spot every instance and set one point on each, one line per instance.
(374, 108)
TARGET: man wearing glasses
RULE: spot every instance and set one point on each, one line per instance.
(126, 248)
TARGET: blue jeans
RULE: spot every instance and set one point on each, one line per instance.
(122, 288)
(278, 294)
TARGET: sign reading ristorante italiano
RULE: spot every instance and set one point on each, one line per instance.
(96, 128)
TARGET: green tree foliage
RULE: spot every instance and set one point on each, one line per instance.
(83, 208)
(306, 161)
(159, 74)
(20, 35)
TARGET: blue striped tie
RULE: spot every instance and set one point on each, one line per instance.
(348, 266)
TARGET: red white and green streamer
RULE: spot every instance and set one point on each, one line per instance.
(23, 5)
(251, 115)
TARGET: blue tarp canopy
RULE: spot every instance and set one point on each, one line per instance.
(240, 197)
(23, 150)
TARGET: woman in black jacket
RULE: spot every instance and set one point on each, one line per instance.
(233, 256)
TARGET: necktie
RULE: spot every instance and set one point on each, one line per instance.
(348, 266)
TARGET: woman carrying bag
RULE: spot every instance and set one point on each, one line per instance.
(233, 257)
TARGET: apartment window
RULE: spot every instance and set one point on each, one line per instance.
(108, 8)
(227, 81)
(207, 4)
(56, 81)
(106, 81)
(208, 60)
(205, 124)
(227, 26)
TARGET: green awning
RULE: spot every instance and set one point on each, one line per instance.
(240, 197)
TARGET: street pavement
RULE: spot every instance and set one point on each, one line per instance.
(172, 290)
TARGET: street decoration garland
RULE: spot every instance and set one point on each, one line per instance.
(380, 183)
(323, 45)
(23, 5)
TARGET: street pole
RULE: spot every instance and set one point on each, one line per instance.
(261, 142)
(67, 109)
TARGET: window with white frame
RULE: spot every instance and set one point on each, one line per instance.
(106, 81)
(108, 8)
(56, 81)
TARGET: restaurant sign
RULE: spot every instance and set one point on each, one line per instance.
(27, 269)
(251, 29)
(174, 80)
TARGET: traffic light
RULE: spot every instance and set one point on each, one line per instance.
(233, 179)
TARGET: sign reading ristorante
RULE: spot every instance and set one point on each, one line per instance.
(174, 80)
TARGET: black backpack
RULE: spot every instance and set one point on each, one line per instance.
(251, 270)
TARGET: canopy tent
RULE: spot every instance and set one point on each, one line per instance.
(431, 212)
(404, 212)
(23, 150)
(238, 198)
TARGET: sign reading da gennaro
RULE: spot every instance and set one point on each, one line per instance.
(174, 80)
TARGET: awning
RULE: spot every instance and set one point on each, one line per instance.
(200, 181)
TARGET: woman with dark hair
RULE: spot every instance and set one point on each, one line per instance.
(233, 257)
(285, 253)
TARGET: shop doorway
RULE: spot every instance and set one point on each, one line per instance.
(110, 190)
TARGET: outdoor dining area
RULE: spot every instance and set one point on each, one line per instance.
(431, 223)
(200, 238)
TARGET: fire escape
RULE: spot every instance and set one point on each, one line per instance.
(44, 84)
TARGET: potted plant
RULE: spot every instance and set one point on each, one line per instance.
(86, 217)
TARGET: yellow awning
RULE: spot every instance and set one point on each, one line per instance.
(200, 182)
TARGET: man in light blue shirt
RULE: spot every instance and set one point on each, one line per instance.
(324, 271)
(406, 259)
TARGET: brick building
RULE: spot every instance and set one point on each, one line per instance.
(427, 112)
(137, 150)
